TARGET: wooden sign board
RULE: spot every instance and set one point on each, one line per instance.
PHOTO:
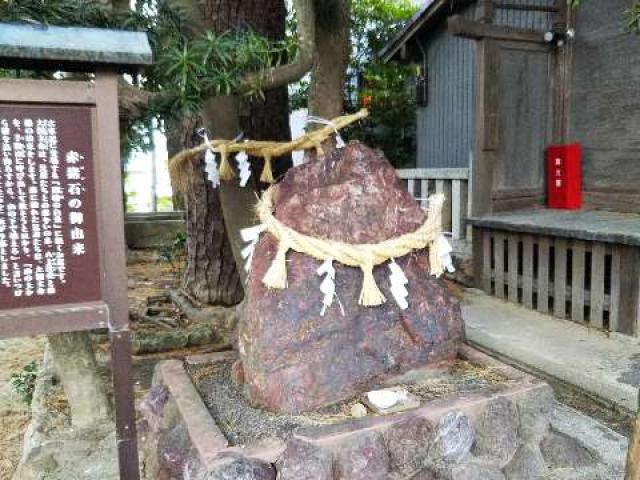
(62, 246)
(49, 251)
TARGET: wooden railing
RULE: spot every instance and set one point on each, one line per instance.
(453, 183)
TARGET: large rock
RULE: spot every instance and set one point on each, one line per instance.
(294, 359)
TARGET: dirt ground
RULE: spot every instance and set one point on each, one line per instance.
(14, 413)
(148, 276)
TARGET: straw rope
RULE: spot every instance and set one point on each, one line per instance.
(365, 256)
(179, 165)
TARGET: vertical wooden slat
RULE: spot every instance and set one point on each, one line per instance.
(513, 267)
(597, 285)
(411, 186)
(628, 306)
(456, 210)
(487, 254)
(560, 279)
(527, 271)
(424, 192)
(543, 275)
(440, 186)
(614, 308)
(577, 282)
(498, 258)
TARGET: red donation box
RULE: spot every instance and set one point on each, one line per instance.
(564, 176)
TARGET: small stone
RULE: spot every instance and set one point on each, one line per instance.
(303, 460)
(476, 472)
(562, 451)
(237, 373)
(497, 432)
(535, 411)
(359, 411)
(238, 467)
(426, 475)
(527, 464)
(408, 443)
(362, 457)
(453, 439)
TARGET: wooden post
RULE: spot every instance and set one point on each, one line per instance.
(114, 263)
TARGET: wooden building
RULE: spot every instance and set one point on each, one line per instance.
(502, 81)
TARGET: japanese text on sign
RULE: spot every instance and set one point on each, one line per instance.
(44, 192)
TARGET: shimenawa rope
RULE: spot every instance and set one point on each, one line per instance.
(365, 256)
(179, 164)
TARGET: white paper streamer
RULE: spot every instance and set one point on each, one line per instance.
(211, 168)
(244, 168)
(328, 285)
(250, 236)
(398, 281)
(210, 163)
(323, 121)
(444, 251)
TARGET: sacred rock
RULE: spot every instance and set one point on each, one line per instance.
(294, 359)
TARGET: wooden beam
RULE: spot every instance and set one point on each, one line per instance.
(527, 8)
(463, 28)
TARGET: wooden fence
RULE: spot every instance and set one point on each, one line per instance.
(453, 183)
(569, 278)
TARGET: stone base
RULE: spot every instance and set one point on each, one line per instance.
(53, 450)
(502, 432)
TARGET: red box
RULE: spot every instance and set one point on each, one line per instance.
(564, 176)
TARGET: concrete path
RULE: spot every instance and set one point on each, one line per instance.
(606, 366)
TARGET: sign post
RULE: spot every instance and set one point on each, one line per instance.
(62, 246)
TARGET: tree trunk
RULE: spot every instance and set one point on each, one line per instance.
(84, 387)
(226, 117)
(326, 95)
(175, 144)
(211, 276)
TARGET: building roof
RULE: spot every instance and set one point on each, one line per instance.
(430, 12)
(43, 46)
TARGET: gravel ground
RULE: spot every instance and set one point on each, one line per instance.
(244, 424)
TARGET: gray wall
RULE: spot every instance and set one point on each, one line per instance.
(605, 115)
(526, 19)
(445, 125)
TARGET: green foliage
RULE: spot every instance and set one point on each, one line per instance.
(631, 15)
(189, 67)
(392, 108)
(384, 89)
(24, 383)
(175, 253)
(632, 18)
(56, 12)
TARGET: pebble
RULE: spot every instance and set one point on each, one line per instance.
(358, 411)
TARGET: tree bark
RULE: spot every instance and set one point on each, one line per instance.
(333, 27)
(211, 276)
(84, 387)
(226, 117)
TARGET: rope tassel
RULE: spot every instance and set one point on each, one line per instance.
(370, 296)
(267, 171)
(276, 276)
(226, 171)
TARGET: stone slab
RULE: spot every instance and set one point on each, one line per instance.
(590, 225)
(605, 366)
(205, 435)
